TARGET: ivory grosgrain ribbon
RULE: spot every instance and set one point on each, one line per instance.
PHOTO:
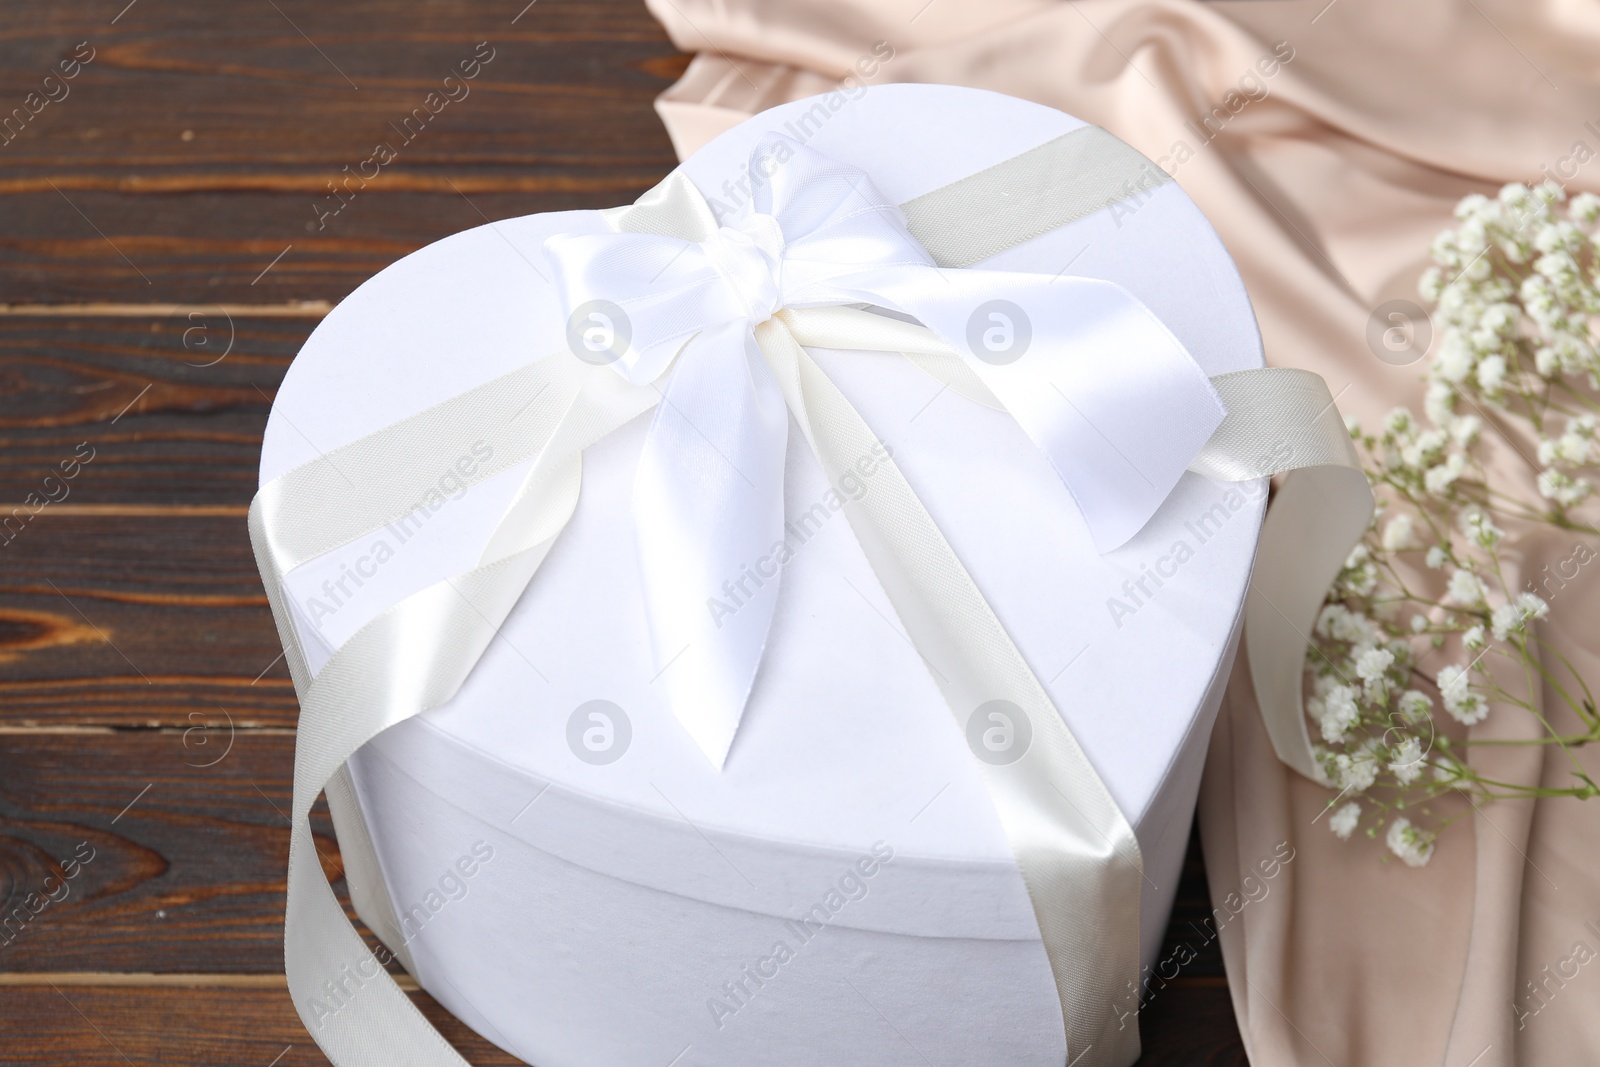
(722, 313)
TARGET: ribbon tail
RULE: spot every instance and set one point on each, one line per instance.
(1076, 851)
(708, 502)
(1285, 420)
(412, 657)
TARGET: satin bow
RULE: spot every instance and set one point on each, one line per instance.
(1094, 378)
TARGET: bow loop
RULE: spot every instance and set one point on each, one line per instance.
(838, 223)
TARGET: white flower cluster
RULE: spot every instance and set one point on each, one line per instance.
(1516, 288)
(1515, 285)
(1432, 459)
(1376, 725)
(1411, 844)
(1359, 697)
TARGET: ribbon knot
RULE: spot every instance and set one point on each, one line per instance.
(1100, 385)
(748, 257)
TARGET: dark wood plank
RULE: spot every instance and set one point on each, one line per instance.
(189, 843)
(80, 698)
(1186, 1016)
(199, 143)
(1191, 1025)
(137, 620)
(1190, 948)
(114, 1026)
(206, 247)
(244, 81)
(155, 409)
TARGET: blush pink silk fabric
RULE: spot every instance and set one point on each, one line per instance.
(1328, 143)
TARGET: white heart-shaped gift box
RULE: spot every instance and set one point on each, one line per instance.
(614, 898)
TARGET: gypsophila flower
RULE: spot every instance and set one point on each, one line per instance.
(1439, 479)
(1431, 283)
(1568, 449)
(1467, 589)
(1572, 352)
(1585, 208)
(1492, 374)
(1338, 712)
(1563, 488)
(1503, 620)
(1415, 705)
(1473, 639)
(1550, 192)
(1325, 618)
(1532, 606)
(1464, 705)
(1354, 627)
(1439, 403)
(1574, 447)
(1358, 575)
(1516, 195)
(1477, 526)
(1371, 663)
(1511, 618)
(1409, 843)
(1406, 762)
(1436, 557)
(1560, 236)
(1500, 319)
(1473, 204)
(1344, 821)
(1354, 774)
(1399, 534)
(1562, 270)
(1464, 430)
(1456, 357)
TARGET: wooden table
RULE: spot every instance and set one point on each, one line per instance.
(168, 242)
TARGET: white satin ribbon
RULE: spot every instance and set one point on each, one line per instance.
(1094, 378)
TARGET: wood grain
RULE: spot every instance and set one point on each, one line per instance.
(137, 620)
(128, 617)
(188, 837)
(193, 149)
(49, 1024)
(1190, 949)
(145, 657)
(157, 408)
